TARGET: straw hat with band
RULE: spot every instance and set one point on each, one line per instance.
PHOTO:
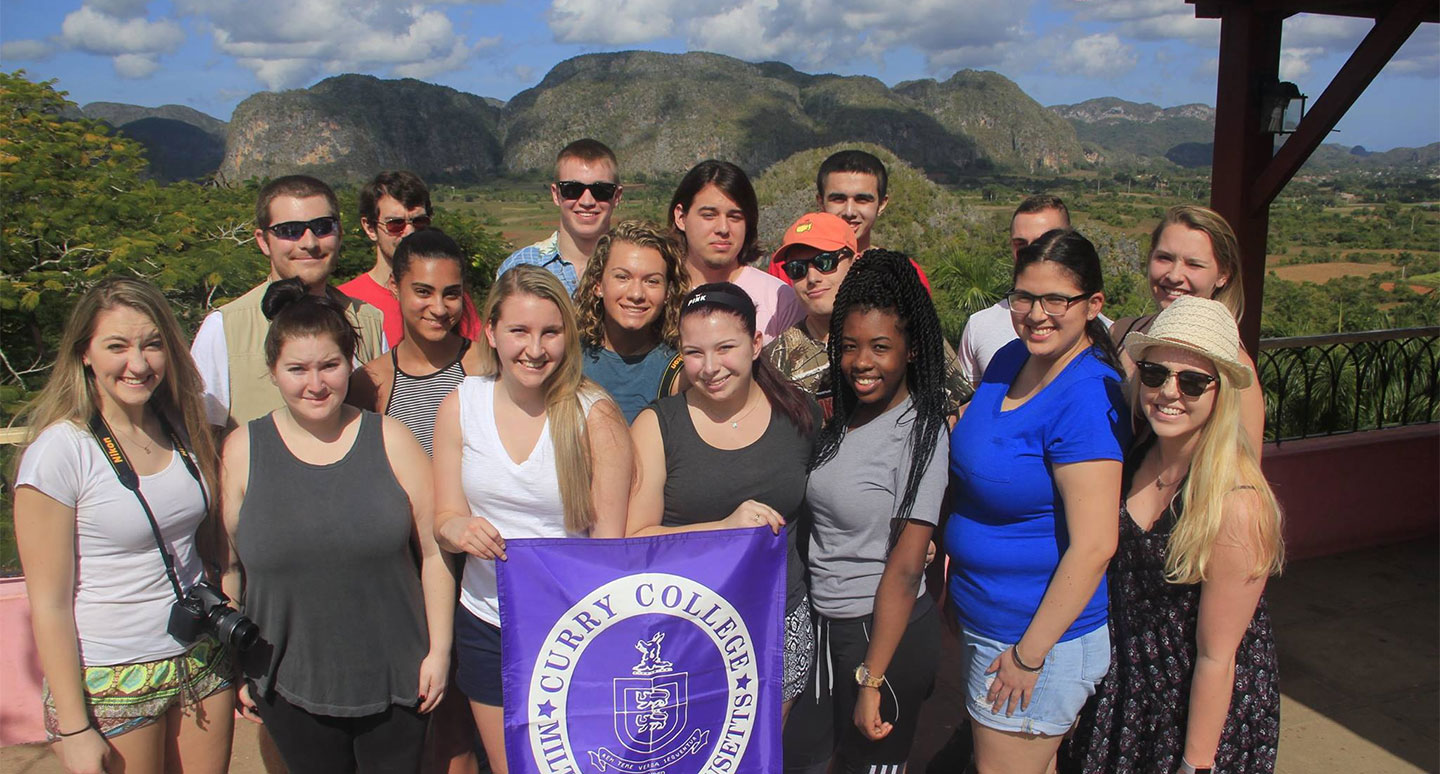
(1197, 325)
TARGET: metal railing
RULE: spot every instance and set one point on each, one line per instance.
(1347, 382)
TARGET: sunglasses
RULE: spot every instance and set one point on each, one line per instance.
(396, 226)
(1191, 383)
(292, 230)
(824, 262)
(571, 190)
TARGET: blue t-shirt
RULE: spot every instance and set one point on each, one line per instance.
(1007, 525)
(632, 381)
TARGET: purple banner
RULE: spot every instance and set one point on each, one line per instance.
(659, 655)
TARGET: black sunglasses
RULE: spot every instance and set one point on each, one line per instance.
(292, 230)
(1191, 383)
(574, 189)
(396, 226)
(797, 268)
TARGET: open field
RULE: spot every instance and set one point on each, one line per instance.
(1324, 272)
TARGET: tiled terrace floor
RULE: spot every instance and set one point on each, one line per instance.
(1359, 638)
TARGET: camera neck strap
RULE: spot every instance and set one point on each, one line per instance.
(131, 480)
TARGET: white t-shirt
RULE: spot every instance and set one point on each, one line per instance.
(521, 500)
(212, 360)
(122, 597)
(776, 307)
(985, 333)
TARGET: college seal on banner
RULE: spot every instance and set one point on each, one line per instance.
(645, 655)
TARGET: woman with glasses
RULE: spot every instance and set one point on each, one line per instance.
(1035, 465)
(629, 314)
(1193, 687)
(122, 692)
(1194, 252)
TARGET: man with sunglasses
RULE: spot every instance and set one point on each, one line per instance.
(297, 227)
(586, 189)
(393, 206)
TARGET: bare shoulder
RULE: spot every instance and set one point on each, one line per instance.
(237, 444)
(471, 361)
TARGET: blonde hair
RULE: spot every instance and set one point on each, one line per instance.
(70, 394)
(677, 281)
(563, 389)
(1223, 462)
(1222, 243)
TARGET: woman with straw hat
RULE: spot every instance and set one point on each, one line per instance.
(1192, 685)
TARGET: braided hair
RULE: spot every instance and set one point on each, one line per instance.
(885, 280)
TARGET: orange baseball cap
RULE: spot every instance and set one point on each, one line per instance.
(820, 230)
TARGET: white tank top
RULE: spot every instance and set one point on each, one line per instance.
(522, 499)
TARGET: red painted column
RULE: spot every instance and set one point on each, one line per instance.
(1249, 58)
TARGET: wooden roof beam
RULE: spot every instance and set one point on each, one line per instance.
(1391, 31)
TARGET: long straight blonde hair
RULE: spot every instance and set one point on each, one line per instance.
(563, 389)
(1223, 462)
(70, 394)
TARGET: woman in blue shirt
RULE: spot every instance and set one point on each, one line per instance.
(1035, 462)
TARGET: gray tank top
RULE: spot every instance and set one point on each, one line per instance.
(329, 577)
(769, 471)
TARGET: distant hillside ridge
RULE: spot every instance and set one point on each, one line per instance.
(176, 150)
(118, 114)
(1118, 130)
(348, 127)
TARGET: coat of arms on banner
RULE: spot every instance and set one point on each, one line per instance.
(644, 671)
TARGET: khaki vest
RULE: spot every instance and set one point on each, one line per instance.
(252, 394)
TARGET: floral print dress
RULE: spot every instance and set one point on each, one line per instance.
(1135, 723)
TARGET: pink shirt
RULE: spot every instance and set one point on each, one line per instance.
(776, 307)
(371, 292)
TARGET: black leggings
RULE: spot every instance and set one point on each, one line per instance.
(386, 742)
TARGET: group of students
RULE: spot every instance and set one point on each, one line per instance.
(655, 396)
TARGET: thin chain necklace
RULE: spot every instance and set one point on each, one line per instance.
(735, 423)
(147, 448)
(1160, 482)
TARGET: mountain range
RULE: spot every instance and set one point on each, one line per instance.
(664, 112)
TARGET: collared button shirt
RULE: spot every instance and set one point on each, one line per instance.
(546, 255)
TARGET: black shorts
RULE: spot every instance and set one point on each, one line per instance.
(822, 724)
(477, 658)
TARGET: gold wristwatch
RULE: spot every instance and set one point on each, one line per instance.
(864, 679)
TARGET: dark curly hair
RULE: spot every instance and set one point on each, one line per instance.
(885, 280)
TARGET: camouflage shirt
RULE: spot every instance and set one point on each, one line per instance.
(803, 360)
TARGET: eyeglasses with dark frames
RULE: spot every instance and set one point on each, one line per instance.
(797, 268)
(570, 190)
(1191, 383)
(1054, 305)
(292, 230)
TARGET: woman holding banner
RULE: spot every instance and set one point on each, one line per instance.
(739, 416)
(877, 484)
(528, 448)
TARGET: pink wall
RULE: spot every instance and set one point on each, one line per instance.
(19, 668)
(1348, 492)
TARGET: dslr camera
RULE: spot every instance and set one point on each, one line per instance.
(206, 609)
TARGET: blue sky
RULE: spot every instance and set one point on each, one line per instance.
(210, 54)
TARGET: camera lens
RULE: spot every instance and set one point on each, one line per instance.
(234, 629)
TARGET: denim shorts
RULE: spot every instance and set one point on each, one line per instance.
(477, 658)
(1071, 672)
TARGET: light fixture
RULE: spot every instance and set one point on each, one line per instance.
(1281, 107)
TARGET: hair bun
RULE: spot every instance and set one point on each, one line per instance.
(281, 294)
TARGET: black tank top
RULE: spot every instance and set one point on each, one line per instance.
(703, 483)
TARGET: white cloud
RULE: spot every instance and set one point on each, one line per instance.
(1147, 20)
(287, 42)
(806, 33)
(135, 66)
(1096, 56)
(25, 50)
(97, 32)
(124, 9)
(1295, 62)
(1420, 55)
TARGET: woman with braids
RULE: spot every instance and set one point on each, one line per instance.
(740, 416)
(121, 692)
(1194, 252)
(877, 484)
(1194, 686)
(1035, 466)
(527, 448)
(629, 314)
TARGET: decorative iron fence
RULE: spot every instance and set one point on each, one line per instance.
(1346, 382)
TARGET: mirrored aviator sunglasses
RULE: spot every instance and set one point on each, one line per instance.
(824, 263)
(571, 190)
(292, 230)
(1191, 383)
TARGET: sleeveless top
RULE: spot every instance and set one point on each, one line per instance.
(521, 499)
(415, 399)
(329, 577)
(771, 471)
